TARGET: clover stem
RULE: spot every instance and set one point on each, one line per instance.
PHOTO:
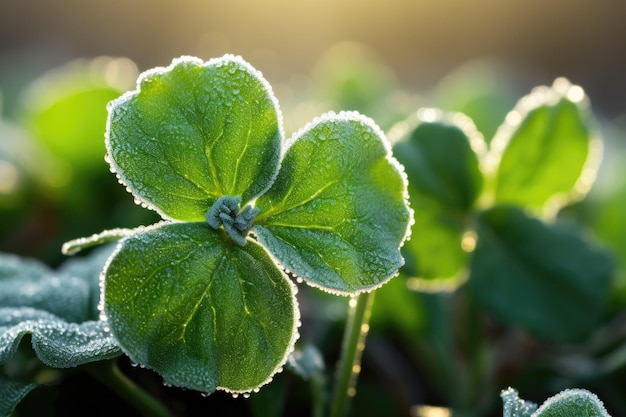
(349, 365)
(110, 375)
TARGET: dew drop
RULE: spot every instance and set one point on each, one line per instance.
(235, 395)
(246, 395)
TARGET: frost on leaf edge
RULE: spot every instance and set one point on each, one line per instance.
(354, 116)
(295, 334)
(129, 95)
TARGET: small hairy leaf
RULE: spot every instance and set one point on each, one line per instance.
(514, 406)
(568, 403)
(441, 161)
(202, 311)
(337, 212)
(572, 402)
(548, 151)
(193, 132)
(546, 278)
(11, 393)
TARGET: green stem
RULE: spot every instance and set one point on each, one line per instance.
(349, 364)
(109, 374)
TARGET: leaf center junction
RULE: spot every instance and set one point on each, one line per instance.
(237, 223)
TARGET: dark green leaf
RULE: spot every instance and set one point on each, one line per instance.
(56, 342)
(57, 307)
(440, 158)
(29, 283)
(205, 313)
(546, 278)
(193, 132)
(337, 213)
(11, 393)
(548, 155)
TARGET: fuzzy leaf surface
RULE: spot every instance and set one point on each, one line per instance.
(572, 402)
(193, 132)
(59, 309)
(203, 312)
(11, 393)
(444, 182)
(545, 154)
(546, 278)
(567, 403)
(56, 342)
(337, 213)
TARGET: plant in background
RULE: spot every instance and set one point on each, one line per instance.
(485, 216)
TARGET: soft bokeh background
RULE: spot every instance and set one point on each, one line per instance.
(421, 40)
(385, 59)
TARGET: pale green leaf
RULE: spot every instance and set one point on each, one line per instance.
(337, 213)
(193, 132)
(202, 311)
(548, 151)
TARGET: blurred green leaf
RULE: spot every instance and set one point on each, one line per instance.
(66, 109)
(545, 278)
(548, 150)
(441, 160)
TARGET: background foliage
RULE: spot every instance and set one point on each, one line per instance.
(449, 349)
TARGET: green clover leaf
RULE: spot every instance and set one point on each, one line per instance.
(203, 297)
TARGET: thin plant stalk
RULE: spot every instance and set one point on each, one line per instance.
(110, 375)
(349, 365)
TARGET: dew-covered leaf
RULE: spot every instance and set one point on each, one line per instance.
(572, 402)
(29, 283)
(545, 277)
(56, 342)
(514, 406)
(193, 132)
(11, 393)
(548, 151)
(567, 403)
(337, 213)
(205, 313)
(59, 309)
(440, 156)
